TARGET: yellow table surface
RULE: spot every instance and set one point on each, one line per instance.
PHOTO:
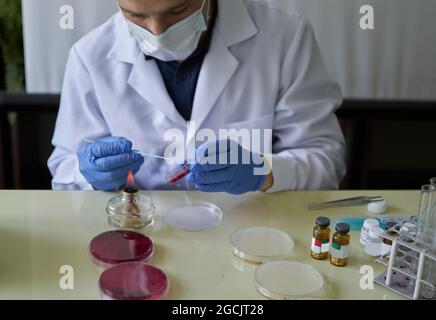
(40, 231)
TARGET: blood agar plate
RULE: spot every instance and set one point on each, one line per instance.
(285, 280)
(261, 244)
(119, 246)
(133, 281)
(194, 216)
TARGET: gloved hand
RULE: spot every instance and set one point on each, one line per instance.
(224, 166)
(106, 163)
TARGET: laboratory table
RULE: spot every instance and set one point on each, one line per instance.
(44, 235)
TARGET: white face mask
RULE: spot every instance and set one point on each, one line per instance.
(177, 43)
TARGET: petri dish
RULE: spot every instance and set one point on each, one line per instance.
(118, 246)
(133, 281)
(286, 280)
(194, 216)
(261, 244)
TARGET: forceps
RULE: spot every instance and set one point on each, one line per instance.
(356, 201)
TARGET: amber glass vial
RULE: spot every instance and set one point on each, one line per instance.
(321, 239)
(340, 248)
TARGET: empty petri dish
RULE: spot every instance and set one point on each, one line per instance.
(285, 280)
(261, 244)
(119, 246)
(133, 281)
(194, 216)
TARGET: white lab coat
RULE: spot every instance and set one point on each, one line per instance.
(264, 70)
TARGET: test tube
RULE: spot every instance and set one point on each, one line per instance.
(430, 292)
(175, 176)
(180, 172)
(426, 211)
(433, 212)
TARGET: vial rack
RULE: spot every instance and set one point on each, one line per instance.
(406, 264)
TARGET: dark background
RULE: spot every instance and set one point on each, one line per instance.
(391, 144)
(2, 73)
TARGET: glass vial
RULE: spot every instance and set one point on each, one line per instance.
(340, 248)
(373, 246)
(321, 239)
(130, 210)
(368, 224)
(429, 292)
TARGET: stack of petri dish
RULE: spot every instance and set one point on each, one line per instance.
(123, 255)
(275, 277)
(133, 281)
(114, 247)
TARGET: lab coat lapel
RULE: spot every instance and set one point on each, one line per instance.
(145, 77)
(147, 81)
(217, 70)
(233, 25)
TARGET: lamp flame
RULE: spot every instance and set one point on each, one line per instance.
(130, 180)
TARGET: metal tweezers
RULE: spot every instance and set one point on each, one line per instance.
(357, 201)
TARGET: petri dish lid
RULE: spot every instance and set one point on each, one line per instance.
(378, 207)
(284, 280)
(133, 281)
(261, 244)
(194, 216)
(118, 246)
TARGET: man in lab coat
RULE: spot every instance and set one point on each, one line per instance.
(159, 66)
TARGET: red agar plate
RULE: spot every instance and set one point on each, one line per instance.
(133, 281)
(118, 246)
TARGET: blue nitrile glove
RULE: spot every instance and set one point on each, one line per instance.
(224, 166)
(106, 163)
